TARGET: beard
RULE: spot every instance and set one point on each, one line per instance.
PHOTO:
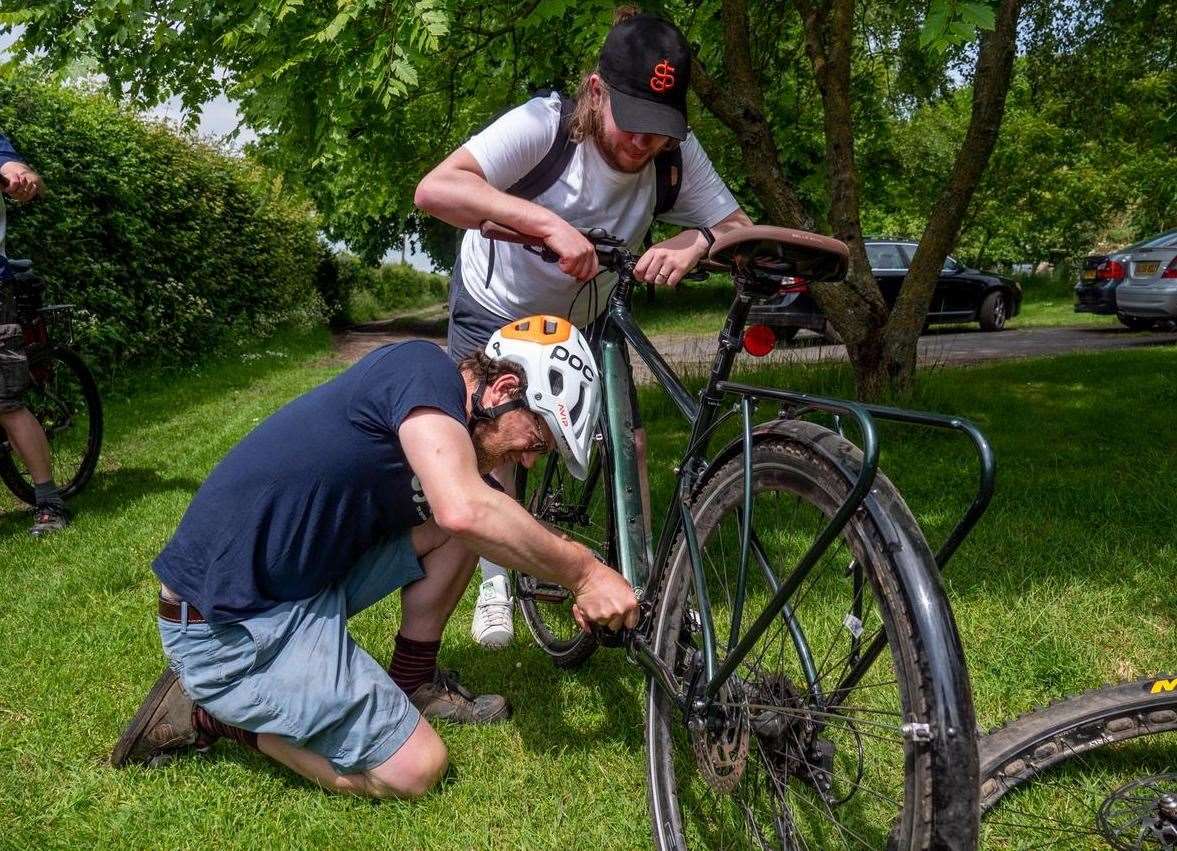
(609, 152)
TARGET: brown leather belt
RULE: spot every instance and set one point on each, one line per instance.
(170, 611)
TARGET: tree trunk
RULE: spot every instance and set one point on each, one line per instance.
(855, 307)
(990, 84)
(739, 104)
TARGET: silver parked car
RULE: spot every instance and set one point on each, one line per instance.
(1149, 290)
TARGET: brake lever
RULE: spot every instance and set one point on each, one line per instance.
(543, 252)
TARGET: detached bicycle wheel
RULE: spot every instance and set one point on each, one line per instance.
(583, 511)
(796, 752)
(1095, 770)
(64, 399)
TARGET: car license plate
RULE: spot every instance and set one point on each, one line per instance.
(1089, 274)
(1149, 268)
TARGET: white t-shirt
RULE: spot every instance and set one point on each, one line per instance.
(588, 194)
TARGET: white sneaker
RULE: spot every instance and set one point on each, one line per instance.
(494, 624)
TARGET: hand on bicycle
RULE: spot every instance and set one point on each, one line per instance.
(578, 257)
(604, 597)
(666, 262)
(19, 181)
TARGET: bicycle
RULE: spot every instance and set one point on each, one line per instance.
(1077, 775)
(773, 716)
(63, 395)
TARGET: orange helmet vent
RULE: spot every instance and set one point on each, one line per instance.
(539, 329)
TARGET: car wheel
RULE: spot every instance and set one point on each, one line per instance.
(993, 312)
(830, 333)
(1135, 323)
(784, 336)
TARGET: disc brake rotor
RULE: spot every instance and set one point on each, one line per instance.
(1141, 814)
(720, 740)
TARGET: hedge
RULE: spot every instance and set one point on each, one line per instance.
(386, 289)
(168, 246)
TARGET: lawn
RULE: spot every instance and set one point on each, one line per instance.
(1066, 584)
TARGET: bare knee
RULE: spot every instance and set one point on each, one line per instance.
(414, 769)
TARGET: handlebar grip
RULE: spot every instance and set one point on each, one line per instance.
(534, 244)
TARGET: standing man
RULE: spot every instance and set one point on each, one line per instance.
(24, 433)
(366, 484)
(629, 109)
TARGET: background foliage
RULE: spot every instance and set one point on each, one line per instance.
(167, 246)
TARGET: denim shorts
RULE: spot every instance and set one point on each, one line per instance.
(295, 672)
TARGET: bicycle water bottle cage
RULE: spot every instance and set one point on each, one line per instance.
(761, 257)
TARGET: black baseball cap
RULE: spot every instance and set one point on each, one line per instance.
(646, 64)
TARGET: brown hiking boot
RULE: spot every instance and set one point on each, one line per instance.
(161, 728)
(445, 698)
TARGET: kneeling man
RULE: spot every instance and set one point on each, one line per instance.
(370, 483)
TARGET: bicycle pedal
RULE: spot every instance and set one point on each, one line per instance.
(546, 592)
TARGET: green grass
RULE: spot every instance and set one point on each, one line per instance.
(1067, 583)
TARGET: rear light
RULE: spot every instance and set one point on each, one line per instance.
(759, 340)
(793, 285)
(1110, 270)
(1171, 269)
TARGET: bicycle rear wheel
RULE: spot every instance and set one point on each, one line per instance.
(64, 398)
(583, 511)
(792, 754)
(1088, 771)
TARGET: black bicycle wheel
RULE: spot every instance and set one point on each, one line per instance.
(582, 510)
(64, 399)
(776, 763)
(1089, 771)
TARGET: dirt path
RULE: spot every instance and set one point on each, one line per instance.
(949, 346)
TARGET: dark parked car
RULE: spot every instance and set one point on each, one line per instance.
(962, 295)
(1102, 274)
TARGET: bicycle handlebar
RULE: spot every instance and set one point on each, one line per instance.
(611, 250)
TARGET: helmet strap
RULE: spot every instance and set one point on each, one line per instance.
(479, 413)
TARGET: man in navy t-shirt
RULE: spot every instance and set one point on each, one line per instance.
(369, 483)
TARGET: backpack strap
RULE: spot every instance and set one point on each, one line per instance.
(667, 179)
(546, 172)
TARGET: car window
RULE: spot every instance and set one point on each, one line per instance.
(1164, 240)
(950, 265)
(885, 255)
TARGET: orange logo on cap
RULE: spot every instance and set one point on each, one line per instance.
(663, 78)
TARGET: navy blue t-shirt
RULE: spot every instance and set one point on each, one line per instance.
(295, 504)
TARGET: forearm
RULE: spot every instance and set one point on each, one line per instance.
(465, 200)
(499, 528)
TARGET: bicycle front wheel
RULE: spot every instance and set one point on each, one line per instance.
(1090, 771)
(795, 751)
(64, 398)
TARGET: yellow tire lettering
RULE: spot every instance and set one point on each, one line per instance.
(1164, 685)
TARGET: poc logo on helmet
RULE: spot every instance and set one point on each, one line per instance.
(575, 361)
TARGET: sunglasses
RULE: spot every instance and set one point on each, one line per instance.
(541, 444)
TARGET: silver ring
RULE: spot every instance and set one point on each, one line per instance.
(662, 275)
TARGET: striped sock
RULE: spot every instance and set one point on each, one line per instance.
(413, 663)
(209, 729)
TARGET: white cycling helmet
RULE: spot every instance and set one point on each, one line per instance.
(563, 385)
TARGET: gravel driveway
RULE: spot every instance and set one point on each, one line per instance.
(943, 346)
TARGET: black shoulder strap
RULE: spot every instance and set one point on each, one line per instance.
(548, 170)
(667, 180)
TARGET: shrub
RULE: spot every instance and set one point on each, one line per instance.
(168, 246)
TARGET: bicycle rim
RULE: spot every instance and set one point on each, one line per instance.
(785, 768)
(1088, 771)
(582, 510)
(64, 399)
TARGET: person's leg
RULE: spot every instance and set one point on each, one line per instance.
(28, 439)
(413, 770)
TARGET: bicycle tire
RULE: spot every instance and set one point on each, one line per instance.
(1073, 733)
(551, 624)
(816, 466)
(73, 470)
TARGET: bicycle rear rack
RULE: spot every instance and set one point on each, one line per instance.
(795, 406)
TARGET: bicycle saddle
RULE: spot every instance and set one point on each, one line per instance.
(15, 266)
(772, 253)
